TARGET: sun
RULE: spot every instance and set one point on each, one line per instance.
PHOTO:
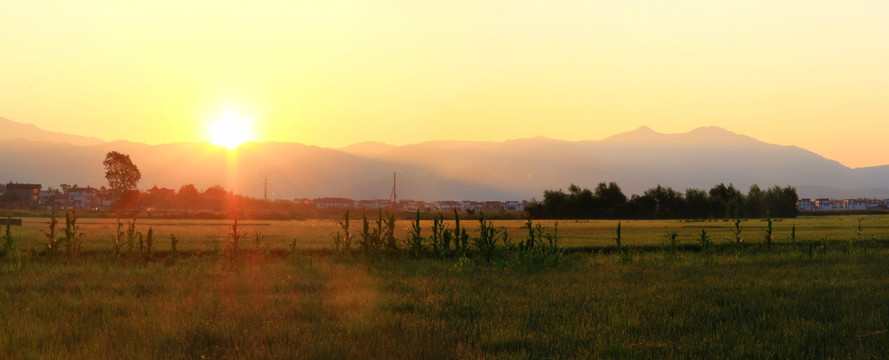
(230, 131)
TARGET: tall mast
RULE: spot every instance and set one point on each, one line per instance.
(393, 196)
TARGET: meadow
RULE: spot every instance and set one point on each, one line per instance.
(820, 295)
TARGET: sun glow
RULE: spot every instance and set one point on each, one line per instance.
(230, 131)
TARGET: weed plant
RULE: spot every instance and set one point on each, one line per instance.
(132, 236)
(414, 241)
(260, 247)
(342, 243)
(540, 249)
(768, 235)
(118, 239)
(52, 243)
(371, 238)
(672, 240)
(437, 241)
(174, 251)
(461, 236)
(622, 251)
(8, 245)
(736, 231)
(389, 240)
(705, 241)
(488, 236)
(149, 243)
(233, 243)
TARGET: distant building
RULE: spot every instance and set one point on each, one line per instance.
(824, 204)
(515, 205)
(468, 205)
(334, 203)
(855, 204)
(806, 205)
(374, 204)
(84, 198)
(411, 205)
(21, 196)
(51, 199)
(447, 205)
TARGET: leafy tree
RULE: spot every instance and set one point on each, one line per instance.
(696, 203)
(189, 196)
(611, 198)
(121, 173)
(756, 204)
(726, 201)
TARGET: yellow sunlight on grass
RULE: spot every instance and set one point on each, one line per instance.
(230, 131)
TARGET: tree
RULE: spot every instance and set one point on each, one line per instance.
(121, 173)
(188, 195)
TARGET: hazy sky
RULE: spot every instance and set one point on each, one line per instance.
(809, 73)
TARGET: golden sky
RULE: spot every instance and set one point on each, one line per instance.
(809, 73)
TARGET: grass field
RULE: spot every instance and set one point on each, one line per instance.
(317, 234)
(784, 302)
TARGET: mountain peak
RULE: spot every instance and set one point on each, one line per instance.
(640, 134)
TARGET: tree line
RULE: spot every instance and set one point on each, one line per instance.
(607, 201)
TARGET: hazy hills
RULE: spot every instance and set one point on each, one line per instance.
(10, 130)
(515, 169)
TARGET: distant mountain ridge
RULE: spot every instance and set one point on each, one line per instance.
(445, 170)
(11, 130)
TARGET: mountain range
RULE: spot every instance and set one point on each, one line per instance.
(439, 170)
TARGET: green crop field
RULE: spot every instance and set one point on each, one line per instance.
(822, 295)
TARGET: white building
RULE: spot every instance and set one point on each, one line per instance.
(334, 203)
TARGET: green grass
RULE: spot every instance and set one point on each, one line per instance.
(783, 302)
(782, 305)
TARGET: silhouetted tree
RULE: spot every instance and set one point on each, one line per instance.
(663, 202)
(188, 196)
(121, 173)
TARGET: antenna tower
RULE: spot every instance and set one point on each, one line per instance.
(393, 197)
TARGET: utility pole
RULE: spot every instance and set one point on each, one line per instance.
(265, 193)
